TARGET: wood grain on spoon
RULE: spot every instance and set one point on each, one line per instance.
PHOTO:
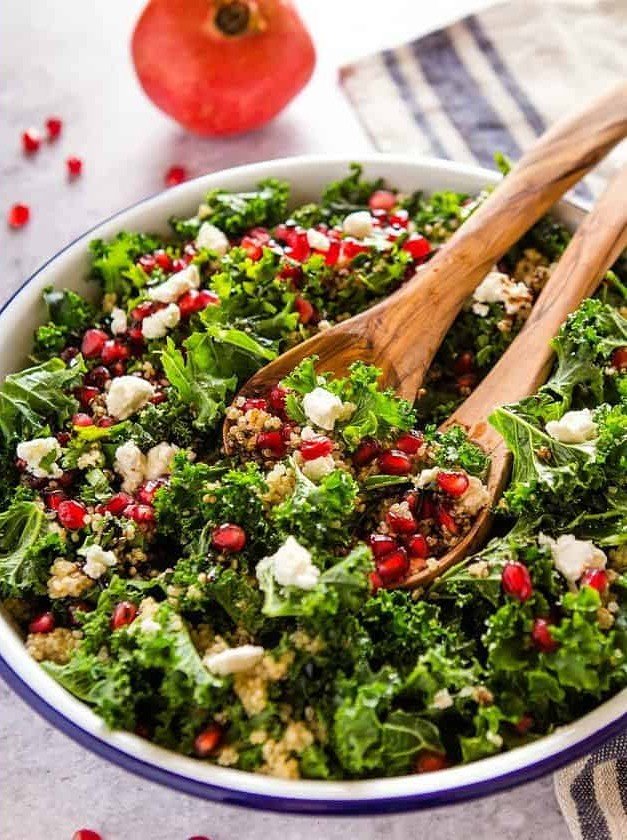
(401, 334)
(526, 364)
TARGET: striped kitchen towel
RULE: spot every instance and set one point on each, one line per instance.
(493, 81)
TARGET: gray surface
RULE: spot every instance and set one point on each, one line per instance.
(70, 58)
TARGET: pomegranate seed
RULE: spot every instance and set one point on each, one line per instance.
(445, 519)
(53, 498)
(175, 175)
(228, 538)
(208, 740)
(72, 514)
(541, 636)
(524, 724)
(114, 351)
(199, 837)
(381, 544)
(351, 248)
(42, 623)
(158, 398)
(394, 462)
(410, 442)
(255, 402)
(417, 547)
(93, 342)
(427, 507)
(179, 264)
(332, 254)
(453, 483)
(376, 582)
(148, 490)
(82, 420)
(196, 301)
(31, 141)
(282, 232)
(316, 447)
(292, 273)
(142, 514)
(63, 438)
(74, 166)
(117, 504)
(516, 581)
(86, 394)
(466, 381)
(69, 353)
(276, 398)
(619, 358)
(261, 234)
(19, 215)
(53, 127)
(86, 834)
(417, 246)
(252, 247)
(287, 431)
(399, 523)
(105, 422)
(135, 335)
(68, 478)
(124, 613)
(273, 441)
(428, 762)
(298, 246)
(464, 363)
(394, 566)
(98, 376)
(597, 579)
(163, 260)
(382, 200)
(366, 452)
(148, 263)
(305, 310)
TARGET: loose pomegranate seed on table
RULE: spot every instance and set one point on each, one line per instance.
(381, 544)
(394, 566)
(31, 141)
(228, 538)
(42, 623)
(316, 447)
(93, 342)
(175, 175)
(208, 740)
(72, 514)
(123, 614)
(541, 636)
(19, 215)
(74, 166)
(394, 462)
(452, 483)
(53, 128)
(516, 581)
(86, 834)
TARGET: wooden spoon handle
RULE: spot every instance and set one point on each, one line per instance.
(556, 161)
(594, 248)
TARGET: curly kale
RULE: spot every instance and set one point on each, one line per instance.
(235, 213)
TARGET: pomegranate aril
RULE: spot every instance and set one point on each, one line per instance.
(114, 351)
(466, 381)
(93, 342)
(142, 514)
(98, 376)
(541, 636)
(272, 441)
(148, 263)
(117, 504)
(42, 623)
(417, 547)
(524, 724)
(19, 215)
(298, 246)
(292, 273)
(452, 483)
(196, 301)
(394, 566)
(135, 336)
(287, 431)
(316, 447)
(596, 578)
(86, 394)
(255, 402)
(69, 353)
(332, 253)
(417, 247)
(124, 613)
(163, 260)
(207, 741)
(366, 452)
(376, 582)
(74, 166)
(351, 248)
(394, 462)
(86, 834)
(53, 498)
(68, 478)
(82, 420)
(381, 544)
(400, 523)
(516, 581)
(117, 369)
(464, 363)
(53, 127)
(31, 141)
(179, 264)
(409, 442)
(175, 175)
(72, 514)
(429, 762)
(276, 398)
(158, 398)
(228, 538)
(148, 490)
(253, 249)
(305, 310)
(400, 218)
(105, 422)
(619, 358)
(382, 200)
(445, 519)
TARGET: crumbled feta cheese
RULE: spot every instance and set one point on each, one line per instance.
(317, 240)
(92, 458)
(497, 287)
(573, 427)
(176, 285)
(34, 451)
(323, 408)
(476, 496)
(119, 323)
(130, 463)
(97, 561)
(157, 325)
(481, 309)
(494, 738)
(317, 468)
(234, 660)
(571, 557)
(426, 477)
(211, 237)
(490, 290)
(307, 433)
(442, 699)
(358, 224)
(127, 395)
(159, 460)
(291, 565)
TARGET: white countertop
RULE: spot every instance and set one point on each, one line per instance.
(70, 59)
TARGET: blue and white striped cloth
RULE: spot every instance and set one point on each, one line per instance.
(493, 82)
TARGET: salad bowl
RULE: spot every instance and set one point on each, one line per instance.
(25, 310)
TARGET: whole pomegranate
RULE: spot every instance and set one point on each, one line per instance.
(222, 67)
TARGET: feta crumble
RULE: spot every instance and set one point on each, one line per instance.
(119, 323)
(291, 565)
(34, 451)
(317, 240)
(130, 463)
(127, 395)
(358, 224)
(211, 237)
(317, 468)
(97, 561)
(158, 324)
(175, 286)
(426, 477)
(442, 699)
(323, 408)
(571, 557)
(497, 287)
(573, 427)
(159, 460)
(476, 496)
(234, 660)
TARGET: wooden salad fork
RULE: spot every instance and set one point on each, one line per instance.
(401, 334)
(526, 364)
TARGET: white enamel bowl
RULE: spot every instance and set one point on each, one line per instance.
(24, 311)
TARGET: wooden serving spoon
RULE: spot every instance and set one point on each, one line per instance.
(526, 364)
(401, 334)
